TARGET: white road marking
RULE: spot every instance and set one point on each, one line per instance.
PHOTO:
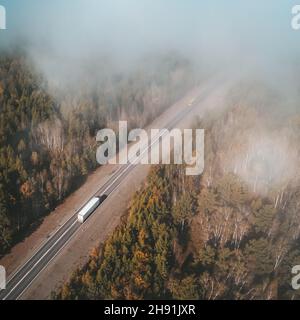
(40, 259)
(45, 266)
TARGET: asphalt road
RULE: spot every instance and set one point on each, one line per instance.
(26, 274)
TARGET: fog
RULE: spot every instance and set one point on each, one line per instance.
(72, 40)
(237, 36)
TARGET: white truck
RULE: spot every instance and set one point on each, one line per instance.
(90, 207)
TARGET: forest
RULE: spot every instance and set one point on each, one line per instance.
(232, 233)
(47, 135)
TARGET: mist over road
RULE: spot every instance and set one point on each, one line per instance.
(36, 278)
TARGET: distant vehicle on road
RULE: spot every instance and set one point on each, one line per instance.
(191, 102)
(90, 207)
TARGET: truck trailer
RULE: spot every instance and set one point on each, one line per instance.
(90, 207)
